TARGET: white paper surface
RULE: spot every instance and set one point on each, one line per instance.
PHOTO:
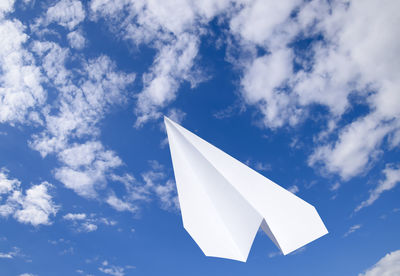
(224, 202)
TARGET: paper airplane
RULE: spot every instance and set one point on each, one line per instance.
(224, 202)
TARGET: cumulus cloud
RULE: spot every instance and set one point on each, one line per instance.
(84, 97)
(284, 80)
(34, 206)
(7, 185)
(173, 29)
(6, 6)
(76, 40)
(82, 103)
(20, 78)
(263, 85)
(279, 78)
(172, 65)
(357, 145)
(85, 167)
(67, 13)
(392, 178)
(389, 265)
(355, 52)
(259, 20)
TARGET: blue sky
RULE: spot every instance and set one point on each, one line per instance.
(304, 92)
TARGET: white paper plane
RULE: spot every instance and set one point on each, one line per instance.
(224, 202)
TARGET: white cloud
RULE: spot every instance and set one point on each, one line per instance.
(389, 265)
(82, 103)
(20, 78)
(82, 222)
(76, 40)
(112, 269)
(259, 20)
(7, 185)
(154, 179)
(167, 195)
(5, 256)
(173, 29)
(343, 63)
(392, 178)
(172, 65)
(335, 187)
(261, 86)
(293, 189)
(67, 13)
(89, 227)
(120, 205)
(34, 207)
(154, 185)
(259, 166)
(86, 167)
(347, 65)
(358, 144)
(6, 6)
(84, 98)
(80, 154)
(274, 254)
(352, 229)
(15, 252)
(52, 60)
(176, 115)
(80, 182)
(79, 216)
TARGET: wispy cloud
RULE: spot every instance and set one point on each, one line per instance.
(82, 222)
(15, 252)
(113, 269)
(154, 185)
(293, 189)
(335, 187)
(392, 178)
(352, 229)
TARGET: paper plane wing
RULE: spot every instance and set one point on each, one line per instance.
(224, 202)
